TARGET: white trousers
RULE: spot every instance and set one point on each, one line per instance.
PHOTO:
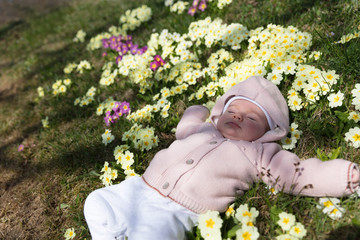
(134, 210)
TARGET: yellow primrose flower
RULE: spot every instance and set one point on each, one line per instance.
(298, 231)
(247, 233)
(209, 223)
(69, 234)
(286, 221)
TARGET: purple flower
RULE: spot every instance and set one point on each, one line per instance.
(113, 45)
(119, 109)
(108, 120)
(21, 147)
(192, 11)
(144, 49)
(119, 38)
(116, 107)
(113, 39)
(104, 54)
(124, 49)
(129, 44)
(118, 59)
(105, 42)
(134, 49)
(118, 48)
(154, 65)
(202, 6)
(125, 107)
(157, 58)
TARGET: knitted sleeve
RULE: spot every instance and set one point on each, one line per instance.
(191, 121)
(283, 170)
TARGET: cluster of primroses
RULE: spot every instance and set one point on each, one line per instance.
(244, 220)
(122, 45)
(120, 109)
(197, 5)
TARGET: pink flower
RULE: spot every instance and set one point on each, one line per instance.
(154, 65)
(202, 6)
(21, 147)
(192, 11)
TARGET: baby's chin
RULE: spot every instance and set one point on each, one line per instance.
(237, 137)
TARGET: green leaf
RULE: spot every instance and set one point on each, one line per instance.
(94, 173)
(343, 116)
(334, 153)
(232, 232)
(274, 213)
(322, 156)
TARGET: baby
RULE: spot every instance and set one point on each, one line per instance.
(210, 163)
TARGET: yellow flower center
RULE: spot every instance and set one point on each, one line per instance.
(334, 211)
(336, 99)
(210, 223)
(328, 204)
(230, 210)
(286, 220)
(356, 137)
(246, 236)
(247, 213)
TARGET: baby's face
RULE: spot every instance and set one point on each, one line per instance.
(243, 120)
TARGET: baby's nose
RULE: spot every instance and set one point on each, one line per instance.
(239, 117)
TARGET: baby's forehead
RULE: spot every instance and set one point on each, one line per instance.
(242, 102)
(245, 104)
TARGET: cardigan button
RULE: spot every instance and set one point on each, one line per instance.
(166, 185)
(213, 142)
(189, 161)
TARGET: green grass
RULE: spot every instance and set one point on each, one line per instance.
(60, 161)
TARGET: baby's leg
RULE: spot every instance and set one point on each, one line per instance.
(102, 217)
(161, 218)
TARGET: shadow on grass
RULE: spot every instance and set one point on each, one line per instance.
(350, 232)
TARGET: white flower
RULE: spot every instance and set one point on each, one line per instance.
(106, 178)
(45, 122)
(355, 116)
(298, 230)
(286, 237)
(244, 211)
(130, 173)
(286, 221)
(80, 36)
(289, 142)
(336, 213)
(107, 137)
(331, 208)
(209, 223)
(40, 91)
(353, 136)
(247, 233)
(230, 211)
(70, 233)
(336, 99)
(271, 189)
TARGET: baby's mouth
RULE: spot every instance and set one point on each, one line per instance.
(233, 124)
